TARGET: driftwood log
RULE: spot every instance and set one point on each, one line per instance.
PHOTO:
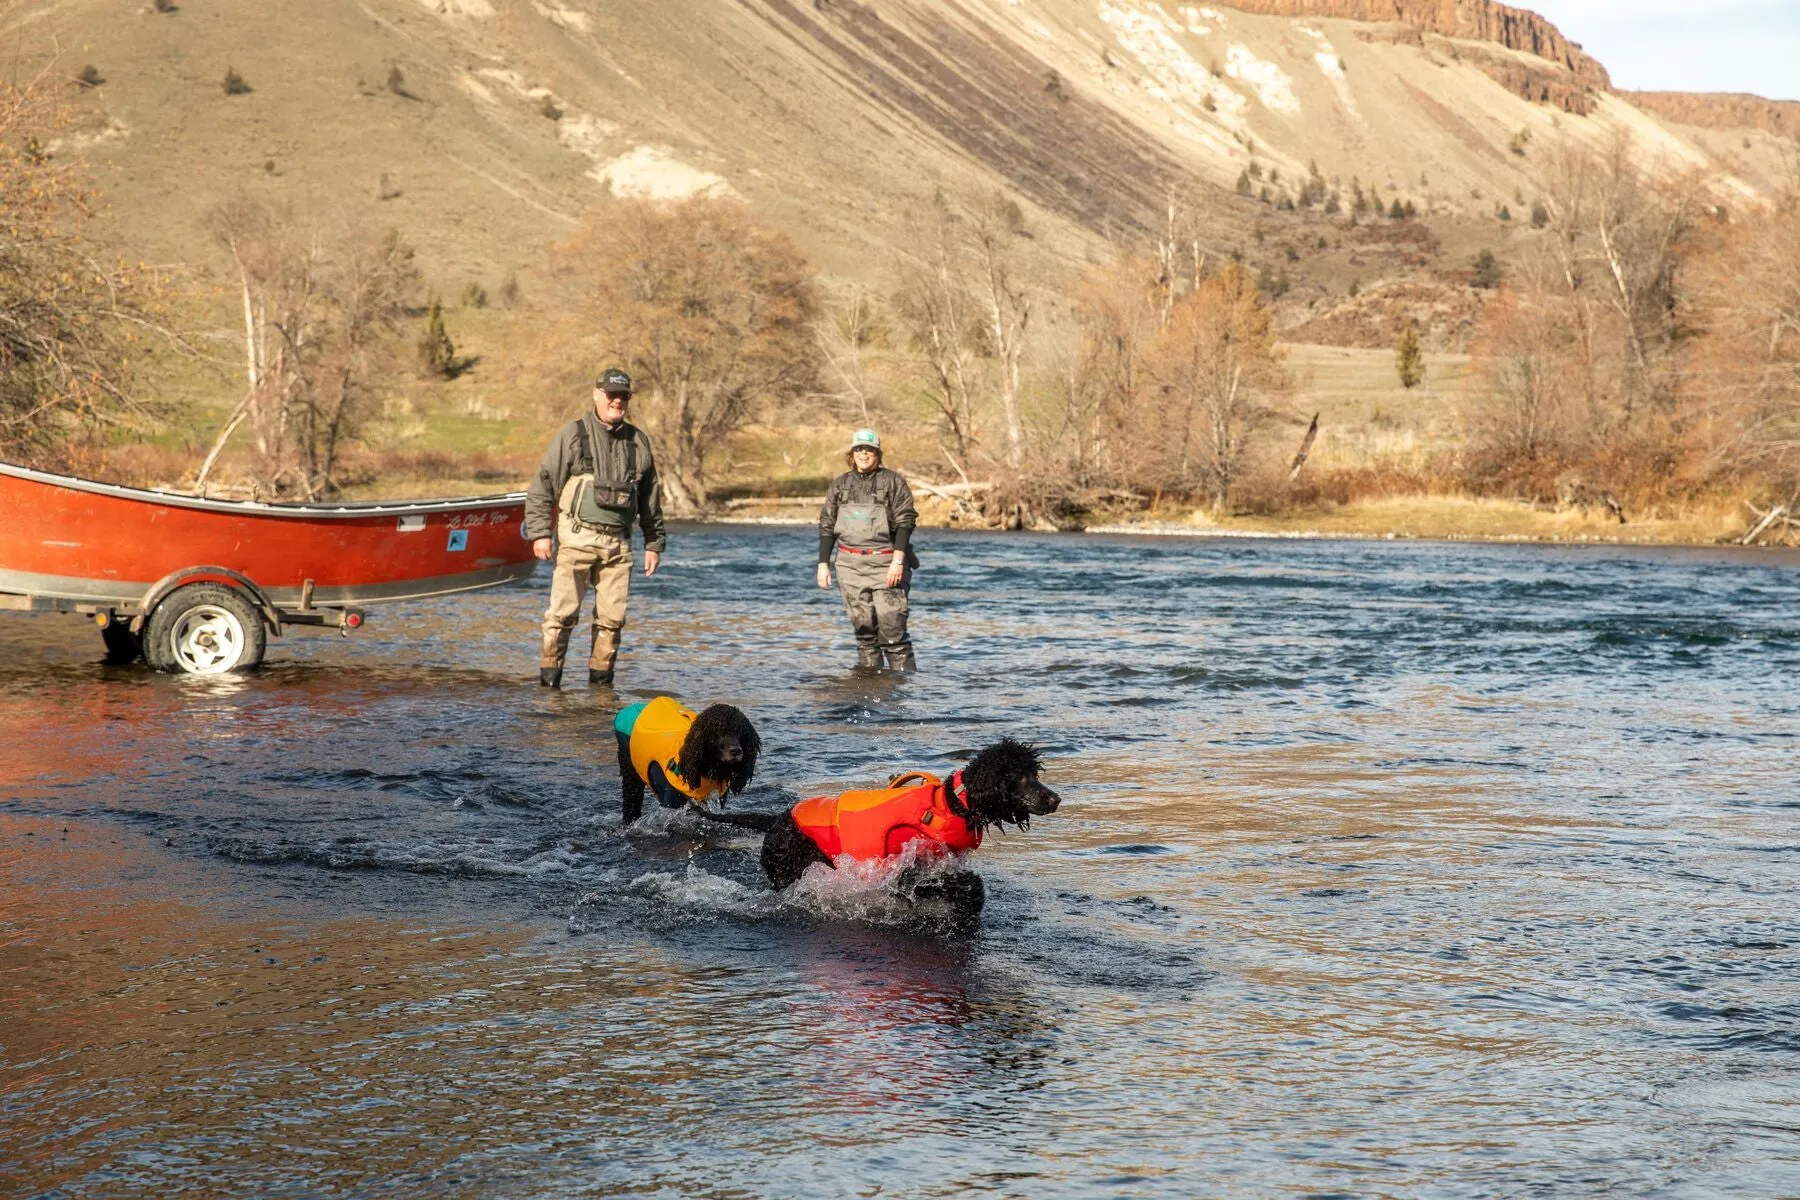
(1306, 445)
(1776, 516)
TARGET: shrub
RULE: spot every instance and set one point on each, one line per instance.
(396, 82)
(90, 77)
(549, 108)
(1396, 211)
(474, 296)
(1243, 184)
(234, 84)
(163, 6)
(1540, 215)
(509, 291)
(1505, 213)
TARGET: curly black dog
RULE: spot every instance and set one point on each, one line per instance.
(683, 756)
(999, 787)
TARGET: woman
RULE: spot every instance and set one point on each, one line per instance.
(869, 517)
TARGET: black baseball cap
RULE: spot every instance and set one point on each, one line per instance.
(614, 382)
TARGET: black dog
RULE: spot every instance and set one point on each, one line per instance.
(999, 787)
(683, 756)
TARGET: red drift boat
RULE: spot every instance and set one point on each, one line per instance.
(197, 585)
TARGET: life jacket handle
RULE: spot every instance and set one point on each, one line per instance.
(914, 777)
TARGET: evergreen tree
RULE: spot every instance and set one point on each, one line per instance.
(437, 353)
(1487, 271)
(1409, 358)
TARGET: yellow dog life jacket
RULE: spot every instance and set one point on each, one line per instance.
(653, 733)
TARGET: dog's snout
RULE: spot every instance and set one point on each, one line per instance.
(731, 752)
(1041, 801)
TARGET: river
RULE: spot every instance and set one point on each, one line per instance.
(1383, 869)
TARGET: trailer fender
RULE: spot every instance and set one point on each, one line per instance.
(221, 575)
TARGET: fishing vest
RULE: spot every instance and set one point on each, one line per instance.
(652, 733)
(590, 503)
(880, 823)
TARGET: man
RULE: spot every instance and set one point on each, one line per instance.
(597, 477)
(869, 517)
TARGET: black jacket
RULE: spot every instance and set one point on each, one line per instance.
(880, 486)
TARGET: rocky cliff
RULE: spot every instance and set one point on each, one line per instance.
(1478, 20)
(1720, 110)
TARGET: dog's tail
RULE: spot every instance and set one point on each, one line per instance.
(761, 822)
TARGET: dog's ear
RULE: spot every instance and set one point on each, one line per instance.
(745, 770)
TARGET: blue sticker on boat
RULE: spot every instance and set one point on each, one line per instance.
(459, 539)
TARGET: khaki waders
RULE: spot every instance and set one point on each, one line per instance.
(602, 561)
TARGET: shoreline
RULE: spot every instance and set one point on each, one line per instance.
(1403, 518)
(1171, 529)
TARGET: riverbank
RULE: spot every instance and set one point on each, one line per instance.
(1423, 518)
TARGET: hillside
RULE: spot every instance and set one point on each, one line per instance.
(484, 128)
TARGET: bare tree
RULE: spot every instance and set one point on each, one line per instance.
(939, 312)
(1214, 368)
(848, 329)
(68, 320)
(994, 228)
(322, 314)
(1620, 235)
(714, 313)
(1526, 344)
(1747, 299)
(1118, 310)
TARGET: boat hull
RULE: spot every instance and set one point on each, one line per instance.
(79, 540)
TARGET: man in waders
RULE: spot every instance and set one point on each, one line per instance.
(597, 478)
(869, 517)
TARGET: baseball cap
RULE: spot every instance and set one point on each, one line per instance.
(614, 382)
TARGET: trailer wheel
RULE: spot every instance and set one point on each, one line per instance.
(122, 645)
(204, 629)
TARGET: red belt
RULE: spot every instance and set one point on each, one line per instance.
(853, 550)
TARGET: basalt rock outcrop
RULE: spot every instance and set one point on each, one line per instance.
(1722, 110)
(1474, 20)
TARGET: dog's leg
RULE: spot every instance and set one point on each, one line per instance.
(787, 852)
(631, 788)
(963, 891)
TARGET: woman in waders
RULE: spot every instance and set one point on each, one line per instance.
(869, 517)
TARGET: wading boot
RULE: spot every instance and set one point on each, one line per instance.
(550, 677)
(868, 658)
(903, 661)
(600, 678)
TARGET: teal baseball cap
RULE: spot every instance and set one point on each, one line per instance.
(865, 439)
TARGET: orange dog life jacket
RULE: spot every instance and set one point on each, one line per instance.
(880, 823)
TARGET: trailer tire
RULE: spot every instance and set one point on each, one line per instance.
(205, 629)
(122, 645)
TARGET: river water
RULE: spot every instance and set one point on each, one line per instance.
(1383, 870)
